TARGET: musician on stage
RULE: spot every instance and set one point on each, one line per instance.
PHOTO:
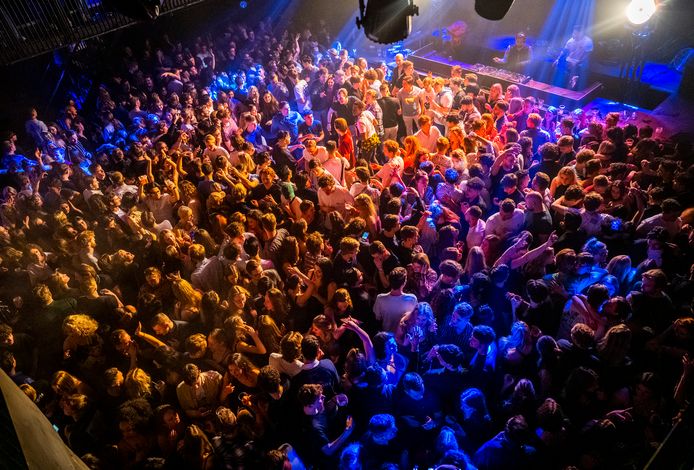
(517, 55)
(573, 59)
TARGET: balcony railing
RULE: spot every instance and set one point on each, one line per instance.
(29, 28)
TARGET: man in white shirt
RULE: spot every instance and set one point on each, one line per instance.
(477, 230)
(335, 164)
(366, 121)
(578, 47)
(332, 197)
(442, 103)
(669, 219)
(313, 151)
(212, 150)
(301, 92)
(363, 185)
(160, 204)
(427, 135)
(507, 223)
(119, 187)
(575, 55)
(391, 307)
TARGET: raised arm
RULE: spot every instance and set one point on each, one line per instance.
(497, 164)
(156, 342)
(560, 208)
(257, 348)
(331, 447)
(351, 324)
(533, 254)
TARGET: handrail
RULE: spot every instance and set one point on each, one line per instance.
(29, 29)
(662, 457)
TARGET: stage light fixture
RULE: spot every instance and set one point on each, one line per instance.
(640, 11)
(386, 21)
(493, 10)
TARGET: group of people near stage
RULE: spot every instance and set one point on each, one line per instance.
(570, 65)
(255, 252)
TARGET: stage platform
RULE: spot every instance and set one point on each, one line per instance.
(427, 59)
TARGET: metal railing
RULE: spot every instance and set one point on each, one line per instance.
(29, 28)
(675, 452)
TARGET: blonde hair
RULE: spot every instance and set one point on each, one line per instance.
(84, 237)
(80, 325)
(570, 172)
(455, 137)
(196, 251)
(138, 384)
(247, 162)
(216, 198)
(364, 201)
(488, 123)
(238, 192)
(196, 344)
(77, 402)
(64, 383)
(186, 293)
(184, 212)
(29, 391)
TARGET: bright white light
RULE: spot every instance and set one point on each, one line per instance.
(640, 11)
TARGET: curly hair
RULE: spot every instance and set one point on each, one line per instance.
(137, 413)
(138, 384)
(80, 325)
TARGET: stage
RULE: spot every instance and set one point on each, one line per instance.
(427, 59)
(668, 119)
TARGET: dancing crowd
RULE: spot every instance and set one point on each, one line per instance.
(251, 250)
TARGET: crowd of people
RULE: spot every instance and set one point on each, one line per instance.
(253, 251)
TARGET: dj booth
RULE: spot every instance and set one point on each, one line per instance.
(427, 59)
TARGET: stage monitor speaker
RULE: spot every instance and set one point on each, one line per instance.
(492, 9)
(686, 89)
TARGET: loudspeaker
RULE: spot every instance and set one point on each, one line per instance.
(492, 9)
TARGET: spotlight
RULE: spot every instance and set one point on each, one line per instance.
(386, 21)
(493, 10)
(640, 11)
(243, 4)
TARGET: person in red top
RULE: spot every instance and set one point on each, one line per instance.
(345, 144)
